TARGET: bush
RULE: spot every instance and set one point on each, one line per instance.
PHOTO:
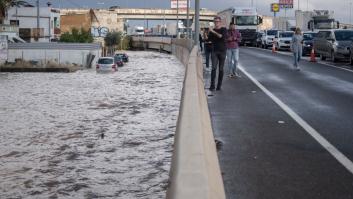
(77, 36)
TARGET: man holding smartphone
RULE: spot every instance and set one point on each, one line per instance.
(217, 36)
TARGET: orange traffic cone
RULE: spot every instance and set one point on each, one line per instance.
(273, 48)
(312, 55)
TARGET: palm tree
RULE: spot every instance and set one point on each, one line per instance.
(6, 4)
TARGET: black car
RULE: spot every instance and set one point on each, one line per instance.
(124, 56)
(308, 41)
(351, 55)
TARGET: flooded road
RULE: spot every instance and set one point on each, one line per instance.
(89, 135)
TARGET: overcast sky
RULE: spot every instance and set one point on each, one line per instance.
(341, 8)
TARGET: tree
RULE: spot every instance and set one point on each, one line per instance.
(112, 40)
(6, 4)
(77, 36)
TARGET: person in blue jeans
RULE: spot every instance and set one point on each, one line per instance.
(297, 45)
(233, 39)
(217, 36)
(208, 46)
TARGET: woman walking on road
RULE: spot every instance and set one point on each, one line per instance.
(233, 39)
(297, 45)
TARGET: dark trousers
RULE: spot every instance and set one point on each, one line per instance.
(218, 59)
(207, 56)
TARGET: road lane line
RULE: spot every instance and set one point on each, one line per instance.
(340, 157)
(307, 59)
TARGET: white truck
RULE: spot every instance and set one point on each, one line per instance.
(136, 30)
(247, 21)
(322, 19)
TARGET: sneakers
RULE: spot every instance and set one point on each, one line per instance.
(218, 88)
(237, 75)
(212, 88)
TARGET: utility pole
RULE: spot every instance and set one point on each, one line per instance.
(37, 3)
(187, 18)
(350, 13)
(298, 5)
(177, 22)
(197, 21)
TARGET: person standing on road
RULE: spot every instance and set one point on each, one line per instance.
(217, 36)
(208, 47)
(297, 45)
(233, 39)
(201, 39)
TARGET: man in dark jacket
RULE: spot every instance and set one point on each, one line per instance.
(218, 38)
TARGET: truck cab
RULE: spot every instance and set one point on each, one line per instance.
(322, 19)
(246, 20)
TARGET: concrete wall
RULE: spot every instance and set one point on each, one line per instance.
(62, 54)
(195, 171)
(78, 21)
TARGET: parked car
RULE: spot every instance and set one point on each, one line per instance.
(308, 41)
(334, 44)
(106, 64)
(283, 40)
(351, 55)
(118, 60)
(268, 37)
(124, 56)
(258, 41)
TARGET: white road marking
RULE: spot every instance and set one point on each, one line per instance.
(319, 62)
(340, 157)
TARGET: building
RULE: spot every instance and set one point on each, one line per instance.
(26, 20)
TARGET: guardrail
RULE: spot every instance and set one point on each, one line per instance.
(195, 171)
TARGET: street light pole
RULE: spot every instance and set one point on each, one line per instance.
(37, 3)
(177, 22)
(187, 18)
(197, 21)
(350, 14)
(298, 5)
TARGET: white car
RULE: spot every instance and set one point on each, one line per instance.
(106, 64)
(268, 38)
(283, 40)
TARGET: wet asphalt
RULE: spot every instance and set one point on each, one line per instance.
(263, 152)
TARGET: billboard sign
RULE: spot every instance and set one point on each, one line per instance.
(274, 7)
(3, 47)
(182, 4)
(286, 3)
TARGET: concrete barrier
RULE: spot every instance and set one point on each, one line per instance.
(195, 171)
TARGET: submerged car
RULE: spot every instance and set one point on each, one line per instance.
(106, 64)
(118, 61)
(124, 56)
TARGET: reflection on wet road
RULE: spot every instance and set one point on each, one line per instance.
(88, 135)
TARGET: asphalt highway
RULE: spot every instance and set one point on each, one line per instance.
(284, 133)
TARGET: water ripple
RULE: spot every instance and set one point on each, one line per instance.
(88, 135)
